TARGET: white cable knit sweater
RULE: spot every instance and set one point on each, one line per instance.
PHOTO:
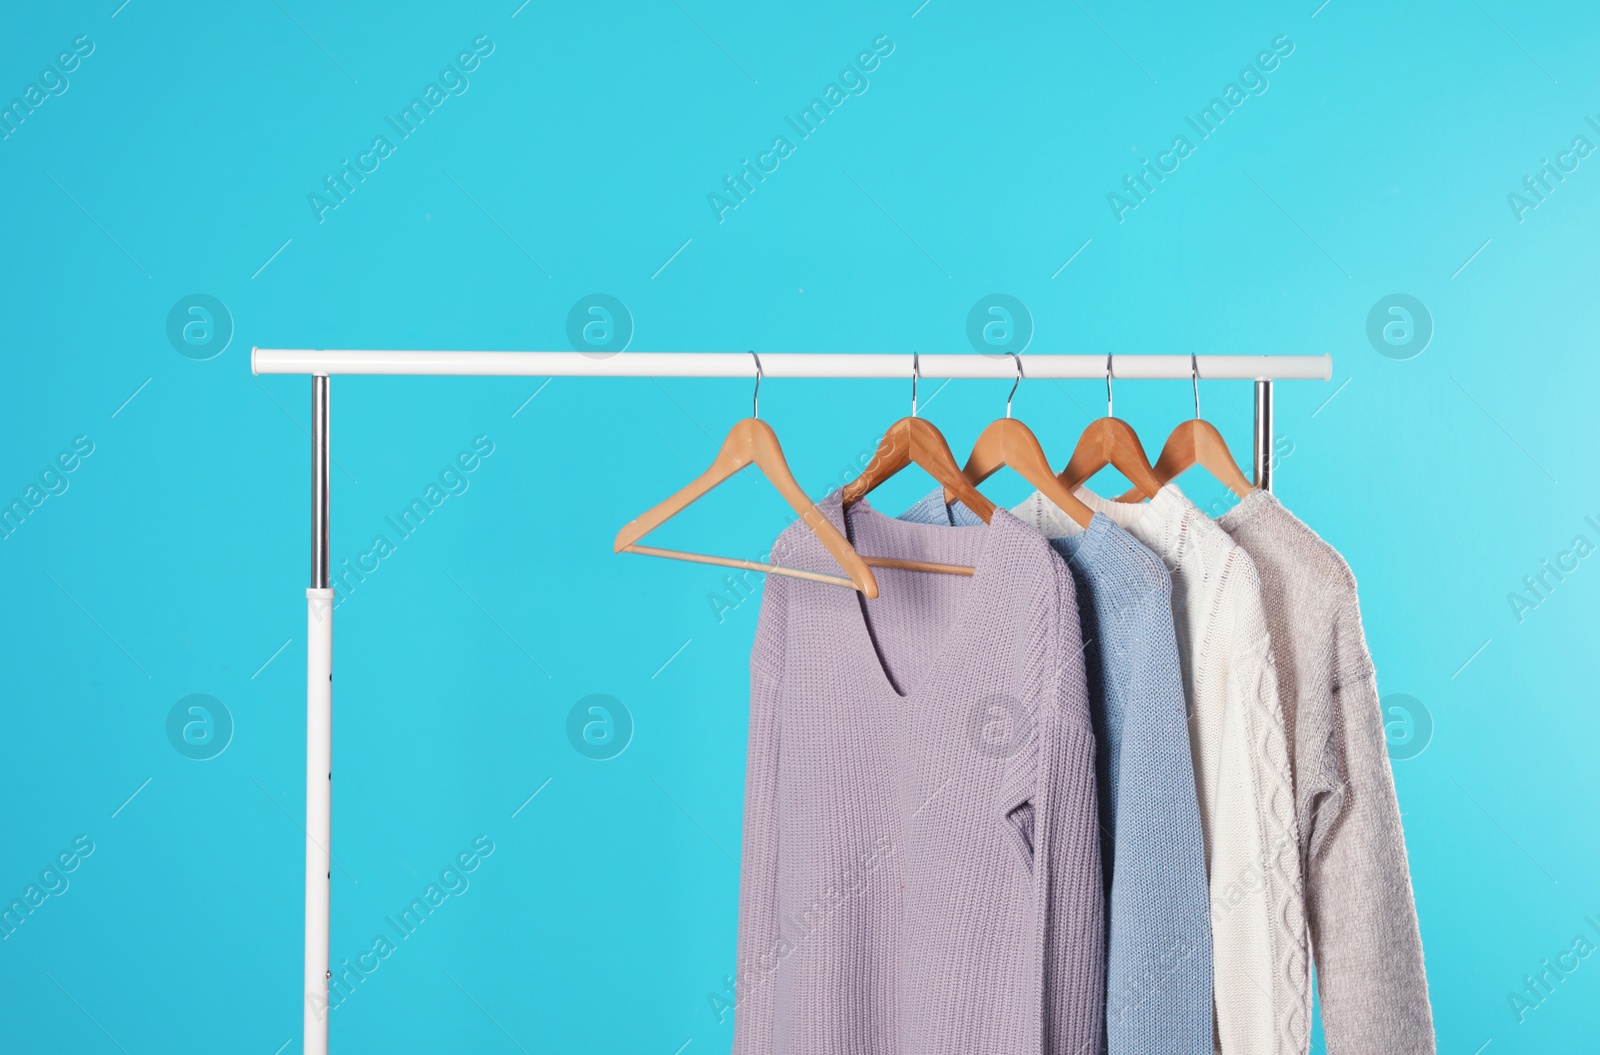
(1241, 764)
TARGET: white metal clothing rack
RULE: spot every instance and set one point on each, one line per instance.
(322, 363)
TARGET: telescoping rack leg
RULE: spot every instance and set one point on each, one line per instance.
(319, 733)
(1263, 464)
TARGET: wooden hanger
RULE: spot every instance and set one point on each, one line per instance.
(915, 441)
(1008, 442)
(1196, 442)
(752, 442)
(1110, 441)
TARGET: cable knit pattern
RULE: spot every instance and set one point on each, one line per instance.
(1158, 943)
(921, 869)
(1362, 915)
(1241, 762)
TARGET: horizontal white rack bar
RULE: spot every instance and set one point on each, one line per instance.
(782, 364)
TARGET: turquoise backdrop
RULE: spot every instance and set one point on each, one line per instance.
(185, 181)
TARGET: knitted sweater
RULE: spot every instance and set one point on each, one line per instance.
(1158, 948)
(920, 871)
(1241, 764)
(1363, 920)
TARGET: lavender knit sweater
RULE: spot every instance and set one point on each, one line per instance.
(1158, 956)
(921, 871)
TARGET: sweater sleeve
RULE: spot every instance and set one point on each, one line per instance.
(1363, 918)
(1068, 874)
(761, 945)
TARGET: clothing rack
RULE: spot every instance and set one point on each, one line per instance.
(321, 364)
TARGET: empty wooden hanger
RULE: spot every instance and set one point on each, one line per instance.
(752, 442)
(1008, 442)
(915, 441)
(1110, 441)
(1196, 442)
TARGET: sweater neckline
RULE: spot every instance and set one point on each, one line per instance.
(1073, 540)
(862, 644)
(1143, 519)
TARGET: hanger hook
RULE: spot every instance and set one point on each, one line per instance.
(1018, 360)
(916, 370)
(1108, 386)
(1194, 379)
(755, 397)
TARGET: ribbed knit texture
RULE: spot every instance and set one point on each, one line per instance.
(921, 871)
(1363, 919)
(1241, 763)
(1158, 948)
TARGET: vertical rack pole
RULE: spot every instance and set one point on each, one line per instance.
(319, 732)
(1263, 464)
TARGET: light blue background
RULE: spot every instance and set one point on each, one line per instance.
(579, 161)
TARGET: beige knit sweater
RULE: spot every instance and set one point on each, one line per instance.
(1241, 765)
(1363, 919)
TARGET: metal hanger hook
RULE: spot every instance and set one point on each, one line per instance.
(1018, 360)
(755, 397)
(1108, 386)
(1194, 379)
(916, 371)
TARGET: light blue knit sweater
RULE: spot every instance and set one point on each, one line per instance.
(1158, 951)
